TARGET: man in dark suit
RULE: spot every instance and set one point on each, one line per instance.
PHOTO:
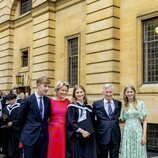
(2, 122)
(107, 112)
(33, 114)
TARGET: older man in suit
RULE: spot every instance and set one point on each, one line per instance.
(107, 112)
(33, 114)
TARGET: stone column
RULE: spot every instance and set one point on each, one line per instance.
(103, 45)
(6, 55)
(43, 42)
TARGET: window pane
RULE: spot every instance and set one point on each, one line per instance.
(26, 6)
(24, 58)
(73, 61)
(150, 53)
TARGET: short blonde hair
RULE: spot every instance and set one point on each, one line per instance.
(60, 84)
(43, 80)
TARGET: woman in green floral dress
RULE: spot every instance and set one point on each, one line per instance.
(134, 115)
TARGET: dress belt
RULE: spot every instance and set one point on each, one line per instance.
(57, 120)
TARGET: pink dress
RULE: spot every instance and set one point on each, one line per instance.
(57, 129)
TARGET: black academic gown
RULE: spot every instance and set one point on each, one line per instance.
(13, 132)
(2, 102)
(77, 146)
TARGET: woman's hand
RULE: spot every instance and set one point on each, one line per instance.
(143, 141)
(84, 133)
(10, 124)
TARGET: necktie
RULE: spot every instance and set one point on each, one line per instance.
(109, 109)
(0, 109)
(40, 105)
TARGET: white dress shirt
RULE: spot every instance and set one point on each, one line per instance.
(106, 104)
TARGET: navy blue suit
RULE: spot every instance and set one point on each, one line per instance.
(107, 129)
(34, 129)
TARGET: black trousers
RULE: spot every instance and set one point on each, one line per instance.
(110, 149)
(38, 150)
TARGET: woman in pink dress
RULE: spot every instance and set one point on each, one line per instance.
(57, 126)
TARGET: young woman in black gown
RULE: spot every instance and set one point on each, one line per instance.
(81, 142)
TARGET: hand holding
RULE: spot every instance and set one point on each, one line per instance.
(84, 133)
(10, 124)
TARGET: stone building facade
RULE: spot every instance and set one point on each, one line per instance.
(90, 42)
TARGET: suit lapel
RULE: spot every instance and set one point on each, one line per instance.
(116, 107)
(45, 105)
(102, 105)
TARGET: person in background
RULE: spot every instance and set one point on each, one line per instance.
(3, 99)
(57, 127)
(2, 105)
(33, 116)
(26, 94)
(107, 112)
(21, 97)
(2, 122)
(12, 132)
(81, 141)
(134, 113)
(13, 91)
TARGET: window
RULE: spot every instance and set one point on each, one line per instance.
(24, 58)
(152, 135)
(150, 52)
(26, 6)
(73, 61)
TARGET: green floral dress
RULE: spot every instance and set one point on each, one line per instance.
(132, 133)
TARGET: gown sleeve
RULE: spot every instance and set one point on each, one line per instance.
(71, 127)
(142, 109)
(72, 124)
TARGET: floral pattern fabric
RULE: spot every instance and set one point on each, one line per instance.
(131, 146)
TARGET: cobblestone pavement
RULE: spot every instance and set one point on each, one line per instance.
(150, 155)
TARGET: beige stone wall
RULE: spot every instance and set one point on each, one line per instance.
(132, 12)
(34, 30)
(110, 41)
(22, 40)
(6, 55)
(43, 62)
(70, 22)
(5, 6)
(102, 46)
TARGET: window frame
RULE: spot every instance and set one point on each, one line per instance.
(22, 58)
(23, 5)
(143, 88)
(67, 38)
(146, 42)
(71, 67)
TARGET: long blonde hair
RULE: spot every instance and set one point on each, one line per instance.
(126, 101)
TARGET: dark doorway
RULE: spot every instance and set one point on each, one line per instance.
(23, 89)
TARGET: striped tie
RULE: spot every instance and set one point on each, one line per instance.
(109, 109)
(41, 106)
